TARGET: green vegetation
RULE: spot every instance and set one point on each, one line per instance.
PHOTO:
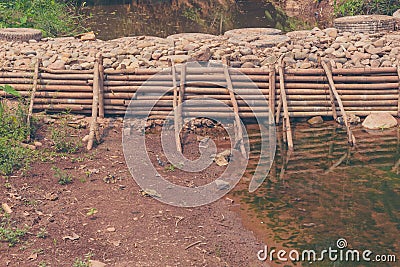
(61, 136)
(85, 262)
(365, 7)
(63, 177)
(13, 130)
(10, 234)
(53, 17)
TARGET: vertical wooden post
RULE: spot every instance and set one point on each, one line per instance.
(398, 100)
(272, 92)
(101, 87)
(95, 105)
(181, 93)
(32, 100)
(174, 106)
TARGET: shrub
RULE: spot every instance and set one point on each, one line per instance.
(53, 17)
(365, 7)
(13, 130)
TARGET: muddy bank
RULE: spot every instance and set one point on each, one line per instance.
(103, 215)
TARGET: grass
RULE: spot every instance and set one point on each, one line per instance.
(61, 137)
(53, 17)
(13, 131)
(9, 234)
(63, 177)
(83, 262)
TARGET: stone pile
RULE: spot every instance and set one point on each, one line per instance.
(244, 48)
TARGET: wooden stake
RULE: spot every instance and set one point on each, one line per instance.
(101, 87)
(95, 105)
(272, 92)
(174, 106)
(284, 104)
(33, 93)
(398, 101)
(350, 136)
(239, 130)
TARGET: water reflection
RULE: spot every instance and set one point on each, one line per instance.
(326, 191)
(114, 19)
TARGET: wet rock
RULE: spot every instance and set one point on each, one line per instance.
(315, 120)
(379, 121)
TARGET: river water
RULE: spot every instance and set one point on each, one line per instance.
(118, 18)
(326, 191)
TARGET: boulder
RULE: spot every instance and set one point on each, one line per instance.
(379, 121)
(316, 120)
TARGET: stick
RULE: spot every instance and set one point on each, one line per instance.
(101, 87)
(351, 138)
(272, 89)
(193, 244)
(284, 104)
(239, 137)
(181, 94)
(93, 124)
(398, 101)
(34, 88)
(174, 106)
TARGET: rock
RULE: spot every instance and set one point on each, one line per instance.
(300, 55)
(250, 58)
(316, 120)
(190, 47)
(246, 51)
(90, 36)
(270, 60)
(379, 121)
(306, 65)
(202, 55)
(94, 263)
(110, 229)
(6, 208)
(248, 65)
(331, 32)
(176, 58)
(222, 159)
(58, 65)
(379, 43)
(330, 50)
(222, 185)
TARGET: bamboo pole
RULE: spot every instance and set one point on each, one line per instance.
(272, 93)
(284, 104)
(33, 93)
(181, 93)
(239, 138)
(351, 138)
(398, 101)
(101, 86)
(93, 124)
(174, 106)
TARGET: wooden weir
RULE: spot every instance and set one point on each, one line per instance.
(291, 93)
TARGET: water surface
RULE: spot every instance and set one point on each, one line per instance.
(118, 18)
(326, 190)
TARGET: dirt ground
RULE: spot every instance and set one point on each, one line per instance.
(103, 216)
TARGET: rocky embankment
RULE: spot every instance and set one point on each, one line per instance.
(246, 48)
